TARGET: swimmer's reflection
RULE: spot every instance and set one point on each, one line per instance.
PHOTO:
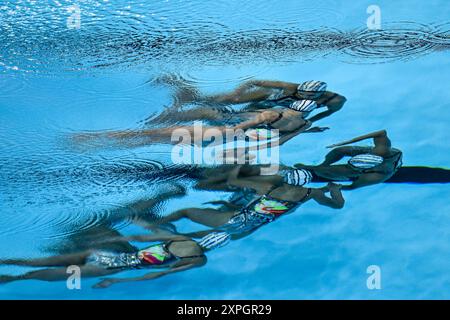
(274, 105)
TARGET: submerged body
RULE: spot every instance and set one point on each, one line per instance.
(271, 197)
(366, 166)
(173, 253)
(283, 109)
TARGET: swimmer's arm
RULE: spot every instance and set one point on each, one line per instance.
(336, 201)
(152, 275)
(333, 105)
(379, 138)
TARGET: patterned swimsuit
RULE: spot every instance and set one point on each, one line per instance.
(259, 212)
(154, 255)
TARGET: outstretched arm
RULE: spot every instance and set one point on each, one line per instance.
(338, 153)
(152, 275)
(380, 139)
(335, 201)
(254, 90)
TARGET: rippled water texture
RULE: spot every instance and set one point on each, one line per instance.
(56, 81)
(35, 37)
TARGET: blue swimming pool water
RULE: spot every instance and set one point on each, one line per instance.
(55, 81)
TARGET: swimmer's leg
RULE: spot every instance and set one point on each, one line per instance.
(57, 274)
(201, 113)
(130, 138)
(55, 261)
(186, 93)
(242, 94)
(207, 217)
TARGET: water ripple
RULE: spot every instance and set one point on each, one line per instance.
(180, 35)
(400, 41)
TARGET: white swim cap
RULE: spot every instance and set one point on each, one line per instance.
(313, 86)
(214, 240)
(297, 177)
(303, 105)
(365, 161)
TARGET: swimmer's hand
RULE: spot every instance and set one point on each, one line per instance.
(317, 129)
(105, 283)
(332, 185)
(334, 145)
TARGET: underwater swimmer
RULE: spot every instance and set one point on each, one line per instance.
(173, 252)
(366, 166)
(273, 196)
(268, 125)
(261, 94)
(280, 116)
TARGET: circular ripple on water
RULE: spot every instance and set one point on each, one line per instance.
(123, 172)
(397, 41)
(139, 33)
(44, 197)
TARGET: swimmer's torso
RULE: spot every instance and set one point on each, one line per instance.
(267, 208)
(161, 254)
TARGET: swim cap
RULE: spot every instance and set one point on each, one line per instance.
(365, 161)
(297, 177)
(312, 86)
(214, 240)
(303, 105)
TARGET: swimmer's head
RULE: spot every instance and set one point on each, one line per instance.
(311, 89)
